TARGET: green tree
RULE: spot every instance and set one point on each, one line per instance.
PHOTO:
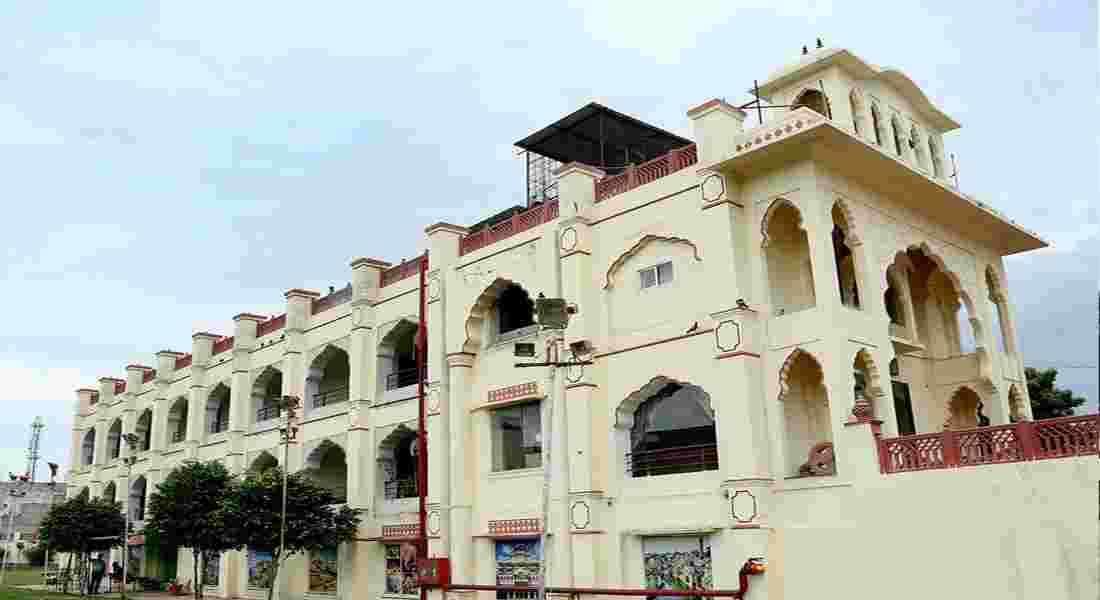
(1048, 401)
(186, 510)
(313, 522)
(80, 527)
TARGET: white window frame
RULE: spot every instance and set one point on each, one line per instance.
(655, 268)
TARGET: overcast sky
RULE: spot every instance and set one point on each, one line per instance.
(168, 166)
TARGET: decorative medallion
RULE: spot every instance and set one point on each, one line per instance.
(568, 239)
(580, 514)
(727, 336)
(713, 188)
(433, 522)
(433, 398)
(433, 288)
(574, 373)
(743, 506)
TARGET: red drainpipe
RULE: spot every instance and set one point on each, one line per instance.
(421, 438)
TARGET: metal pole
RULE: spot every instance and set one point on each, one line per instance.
(282, 518)
(126, 530)
(421, 439)
(551, 375)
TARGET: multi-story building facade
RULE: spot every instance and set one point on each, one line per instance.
(779, 370)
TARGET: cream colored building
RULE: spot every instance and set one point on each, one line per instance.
(780, 370)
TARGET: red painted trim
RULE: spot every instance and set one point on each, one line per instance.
(736, 353)
(518, 223)
(501, 251)
(647, 345)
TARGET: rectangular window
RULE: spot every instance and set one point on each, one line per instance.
(518, 564)
(211, 569)
(517, 437)
(401, 570)
(323, 570)
(656, 275)
(678, 563)
(260, 568)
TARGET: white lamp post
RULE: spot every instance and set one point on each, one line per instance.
(132, 441)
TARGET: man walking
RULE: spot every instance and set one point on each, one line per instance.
(99, 567)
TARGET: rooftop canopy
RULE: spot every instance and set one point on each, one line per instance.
(598, 136)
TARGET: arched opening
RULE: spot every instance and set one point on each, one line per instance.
(217, 409)
(144, 430)
(114, 440)
(903, 403)
(876, 124)
(917, 144)
(855, 103)
(963, 409)
(177, 421)
(397, 356)
(787, 252)
(844, 257)
(87, 448)
(895, 127)
(1017, 409)
(267, 393)
(327, 466)
(892, 299)
(329, 375)
(943, 317)
(813, 100)
(934, 155)
(999, 310)
(864, 384)
(263, 462)
(397, 460)
(515, 311)
(109, 493)
(673, 432)
(806, 418)
(137, 499)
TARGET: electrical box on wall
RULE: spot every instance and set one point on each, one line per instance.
(433, 572)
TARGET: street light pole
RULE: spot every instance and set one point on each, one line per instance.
(128, 460)
(288, 431)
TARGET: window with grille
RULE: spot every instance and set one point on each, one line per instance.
(656, 275)
(517, 437)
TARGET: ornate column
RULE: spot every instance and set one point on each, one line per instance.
(366, 276)
(459, 526)
(242, 413)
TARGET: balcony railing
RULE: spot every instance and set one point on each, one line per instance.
(400, 379)
(271, 325)
(667, 461)
(178, 436)
(336, 298)
(223, 344)
(518, 223)
(646, 172)
(183, 362)
(402, 271)
(1019, 442)
(333, 396)
(400, 488)
(219, 425)
(267, 412)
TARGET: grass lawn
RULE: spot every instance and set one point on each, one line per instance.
(10, 593)
(23, 575)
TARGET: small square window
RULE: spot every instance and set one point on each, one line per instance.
(517, 437)
(656, 275)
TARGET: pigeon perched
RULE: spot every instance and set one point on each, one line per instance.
(693, 327)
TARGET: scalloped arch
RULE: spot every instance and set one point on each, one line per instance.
(645, 240)
(475, 317)
(624, 413)
(765, 222)
(788, 364)
(314, 458)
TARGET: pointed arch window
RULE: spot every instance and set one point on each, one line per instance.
(514, 310)
(876, 124)
(673, 433)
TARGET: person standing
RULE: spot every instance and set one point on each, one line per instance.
(99, 567)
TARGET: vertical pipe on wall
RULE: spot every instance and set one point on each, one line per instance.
(421, 439)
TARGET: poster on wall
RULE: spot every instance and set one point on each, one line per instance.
(323, 570)
(518, 562)
(260, 568)
(678, 563)
(401, 576)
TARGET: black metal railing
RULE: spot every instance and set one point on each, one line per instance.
(400, 379)
(667, 461)
(400, 488)
(267, 412)
(333, 396)
(219, 426)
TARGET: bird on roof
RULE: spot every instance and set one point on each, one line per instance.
(741, 304)
(805, 50)
(694, 326)
(819, 44)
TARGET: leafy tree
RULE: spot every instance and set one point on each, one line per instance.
(186, 510)
(1048, 401)
(252, 516)
(80, 526)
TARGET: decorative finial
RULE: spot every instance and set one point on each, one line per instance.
(805, 51)
(819, 44)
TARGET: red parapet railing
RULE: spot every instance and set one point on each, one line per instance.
(271, 325)
(402, 271)
(1018, 442)
(515, 526)
(149, 375)
(183, 362)
(636, 176)
(518, 223)
(223, 344)
(336, 298)
(401, 531)
(120, 387)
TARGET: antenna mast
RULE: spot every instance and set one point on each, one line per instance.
(32, 448)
